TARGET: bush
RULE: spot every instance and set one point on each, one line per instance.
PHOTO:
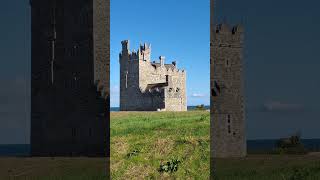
(170, 166)
(290, 145)
(200, 107)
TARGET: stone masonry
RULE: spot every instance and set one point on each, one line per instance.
(228, 137)
(150, 86)
(70, 77)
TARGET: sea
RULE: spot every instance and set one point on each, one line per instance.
(188, 108)
(23, 150)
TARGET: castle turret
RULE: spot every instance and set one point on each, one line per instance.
(124, 59)
(228, 113)
(161, 58)
(69, 78)
(144, 52)
(125, 45)
(124, 56)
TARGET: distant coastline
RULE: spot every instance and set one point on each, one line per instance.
(114, 109)
(313, 145)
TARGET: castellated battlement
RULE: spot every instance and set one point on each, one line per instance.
(225, 28)
(150, 85)
(231, 35)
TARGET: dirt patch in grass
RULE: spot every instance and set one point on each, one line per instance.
(163, 146)
(138, 172)
(120, 145)
(115, 165)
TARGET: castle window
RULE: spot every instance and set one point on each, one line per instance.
(167, 78)
(170, 89)
(177, 90)
(75, 81)
(216, 86)
(228, 119)
(73, 50)
(127, 79)
(228, 63)
(213, 92)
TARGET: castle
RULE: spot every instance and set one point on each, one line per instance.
(70, 78)
(228, 137)
(150, 86)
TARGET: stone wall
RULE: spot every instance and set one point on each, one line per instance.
(69, 111)
(227, 100)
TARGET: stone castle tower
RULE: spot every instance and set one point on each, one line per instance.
(150, 86)
(227, 100)
(70, 77)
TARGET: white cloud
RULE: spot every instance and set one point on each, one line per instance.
(115, 90)
(197, 95)
(281, 106)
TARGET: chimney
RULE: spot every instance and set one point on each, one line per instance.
(162, 58)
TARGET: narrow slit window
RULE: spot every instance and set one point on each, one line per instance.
(127, 79)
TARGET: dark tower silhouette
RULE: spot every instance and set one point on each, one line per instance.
(70, 78)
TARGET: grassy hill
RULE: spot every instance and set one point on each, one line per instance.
(158, 145)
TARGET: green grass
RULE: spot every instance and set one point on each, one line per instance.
(143, 141)
(59, 168)
(266, 167)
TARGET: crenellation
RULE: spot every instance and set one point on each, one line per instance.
(153, 79)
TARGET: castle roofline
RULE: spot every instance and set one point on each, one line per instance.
(224, 27)
(168, 66)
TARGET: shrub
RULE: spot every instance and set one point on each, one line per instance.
(170, 166)
(291, 145)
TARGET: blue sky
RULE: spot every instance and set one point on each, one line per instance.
(15, 52)
(281, 64)
(281, 57)
(177, 29)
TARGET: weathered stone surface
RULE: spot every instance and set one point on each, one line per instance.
(70, 77)
(150, 86)
(227, 101)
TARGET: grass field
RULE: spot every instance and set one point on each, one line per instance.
(270, 167)
(58, 168)
(142, 141)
